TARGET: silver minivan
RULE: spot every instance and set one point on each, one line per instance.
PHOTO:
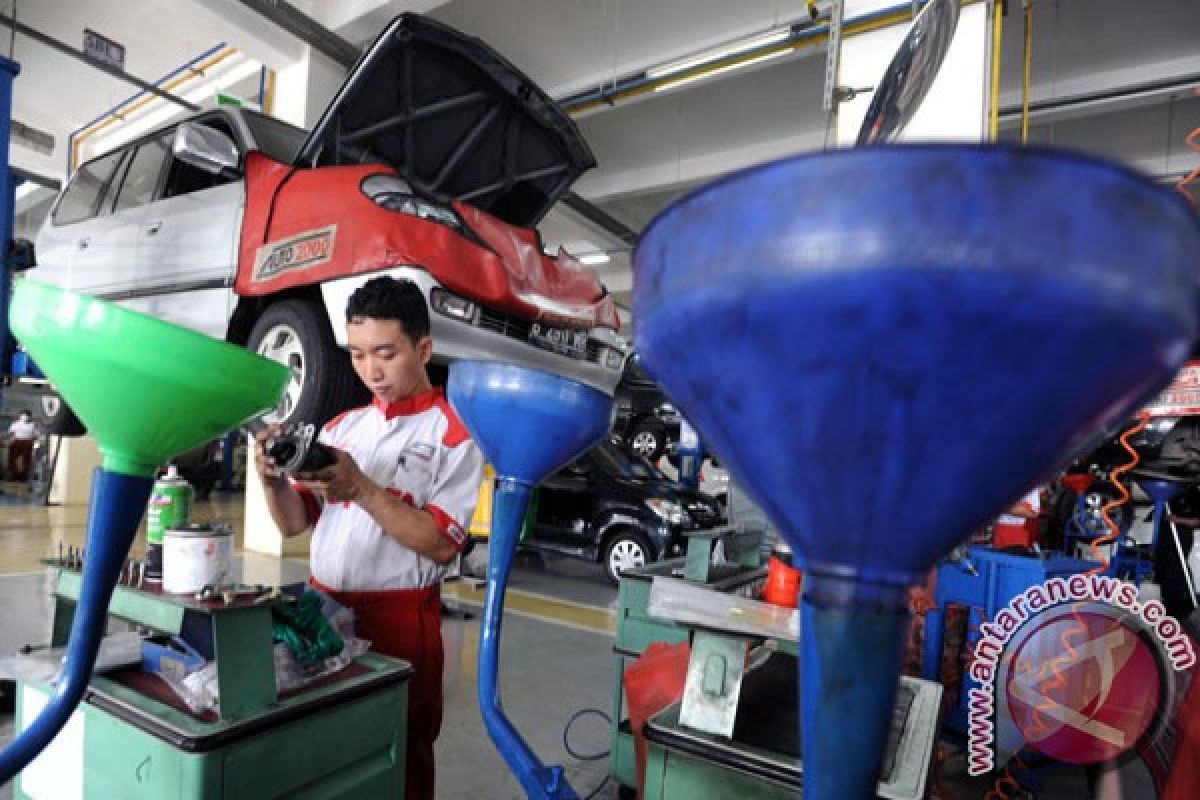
(434, 162)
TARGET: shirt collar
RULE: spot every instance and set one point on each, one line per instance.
(408, 405)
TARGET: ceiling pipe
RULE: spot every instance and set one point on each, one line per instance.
(1115, 99)
(306, 29)
(119, 74)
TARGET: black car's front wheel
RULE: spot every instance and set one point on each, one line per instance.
(648, 439)
(627, 549)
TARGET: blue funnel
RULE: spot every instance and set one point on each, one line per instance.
(528, 424)
(887, 347)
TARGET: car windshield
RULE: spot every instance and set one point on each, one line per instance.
(615, 460)
(275, 138)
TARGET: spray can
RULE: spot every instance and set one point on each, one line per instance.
(170, 507)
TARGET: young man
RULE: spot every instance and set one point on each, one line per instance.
(390, 514)
(22, 434)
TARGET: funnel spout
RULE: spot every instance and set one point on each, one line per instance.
(853, 635)
(117, 504)
(508, 515)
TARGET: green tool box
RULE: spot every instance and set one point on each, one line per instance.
(342, 736)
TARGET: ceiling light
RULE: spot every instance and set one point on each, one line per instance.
(593, 259)
(717, 53)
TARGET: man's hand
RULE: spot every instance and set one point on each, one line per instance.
(340, 482)
(268, 470)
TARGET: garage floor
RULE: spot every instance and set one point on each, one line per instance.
(557, 654)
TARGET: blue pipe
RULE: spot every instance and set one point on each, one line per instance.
(853, 635)
(116, 508)
(510, 501)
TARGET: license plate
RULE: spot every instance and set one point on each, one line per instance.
(559, 340)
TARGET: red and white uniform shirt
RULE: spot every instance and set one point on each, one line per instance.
(418, 450)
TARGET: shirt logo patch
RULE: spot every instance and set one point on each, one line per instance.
(455, 532)
(420, 450)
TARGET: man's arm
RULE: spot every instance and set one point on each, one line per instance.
(416, 529)
(284, 503)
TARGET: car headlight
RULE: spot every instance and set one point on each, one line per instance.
(670, 511)
(451, 305)
(395, 194)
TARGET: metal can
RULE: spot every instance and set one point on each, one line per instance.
(195, 556)
(170, 507)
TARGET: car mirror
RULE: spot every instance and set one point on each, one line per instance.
(20, 255)
(205, 148)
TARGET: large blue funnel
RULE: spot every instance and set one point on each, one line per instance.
(887, 347)
(528, 423)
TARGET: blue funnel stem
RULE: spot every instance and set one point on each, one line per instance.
(510, 501)
(853, 634)
(117, 504)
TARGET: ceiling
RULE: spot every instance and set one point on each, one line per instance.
(1109, 77)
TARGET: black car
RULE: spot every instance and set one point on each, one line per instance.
(618, 509)
(647, 423)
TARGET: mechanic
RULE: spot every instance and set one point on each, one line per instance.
(390, 514)
(22, 434)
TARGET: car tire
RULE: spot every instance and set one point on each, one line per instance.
(626, 549)
(647, 438)
(296, 333)
(58, 419)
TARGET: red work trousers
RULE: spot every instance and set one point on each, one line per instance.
(407, 624)
(20, 452)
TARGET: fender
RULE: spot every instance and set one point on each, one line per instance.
(611, 519)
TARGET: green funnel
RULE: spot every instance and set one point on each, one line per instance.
(146, 389)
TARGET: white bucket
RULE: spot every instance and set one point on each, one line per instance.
(195, 556)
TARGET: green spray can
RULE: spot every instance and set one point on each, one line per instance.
(170, 507)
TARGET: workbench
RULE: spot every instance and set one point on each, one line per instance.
(342, 736)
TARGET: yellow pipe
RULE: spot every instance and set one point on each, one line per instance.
(140, 104)
(751, 55)
(1028, 62)
(997, 37)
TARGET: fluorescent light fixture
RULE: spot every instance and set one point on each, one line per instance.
(733, 48)
(594, 259)
(25, 189)
(700, 76)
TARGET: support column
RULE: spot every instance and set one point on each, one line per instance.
(77, 458)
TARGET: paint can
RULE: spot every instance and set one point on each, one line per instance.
(170, 507)
(195, 556)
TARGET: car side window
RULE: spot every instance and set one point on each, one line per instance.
(82, 197)
(183, 178)
(141, 178)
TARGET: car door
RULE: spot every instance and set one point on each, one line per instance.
(566, 501)
(187, 244)
(78, 246)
